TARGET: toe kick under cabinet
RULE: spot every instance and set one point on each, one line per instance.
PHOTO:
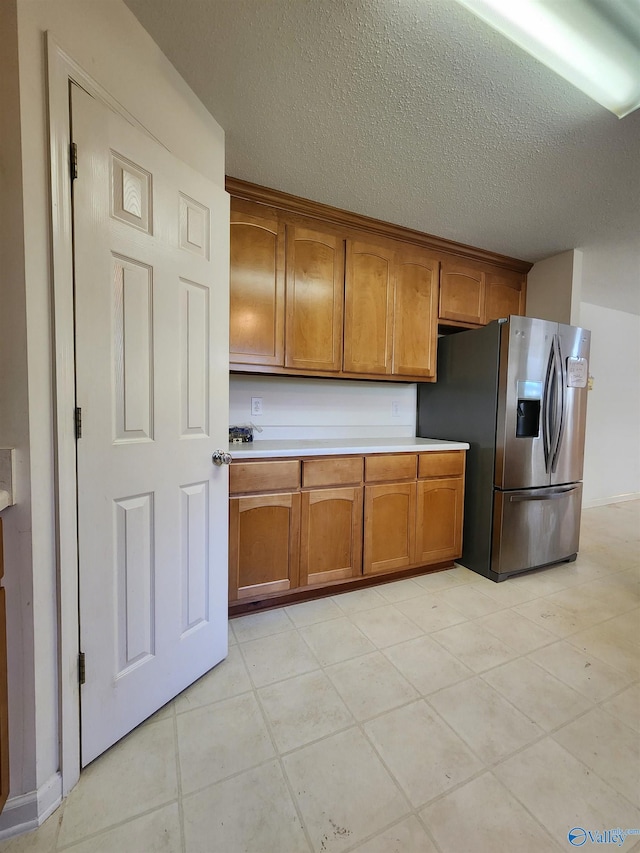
(300, 525)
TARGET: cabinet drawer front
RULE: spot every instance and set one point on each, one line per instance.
(264, 476)
(331, 472)
(449, 463)
(390, 467)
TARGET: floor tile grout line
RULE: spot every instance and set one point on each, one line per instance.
(68, 848)
(287, 781)
(176, 742)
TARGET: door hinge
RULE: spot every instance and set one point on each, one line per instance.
(81, 668)
(78, 422)
(73, 160)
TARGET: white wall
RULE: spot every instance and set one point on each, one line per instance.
(323, 408)
(555, 291)
(105, 39)
(553, 288)
(612, 453)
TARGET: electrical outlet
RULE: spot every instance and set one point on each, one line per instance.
(395, 409)
(256, 405)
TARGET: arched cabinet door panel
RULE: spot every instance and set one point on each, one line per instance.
(461, 292)
(389, 527)
(368, 317)
(330, 535)
(263, 544)
(256, 290)
(314, 297)
(505, 295)
(415, 313)
(439, 519)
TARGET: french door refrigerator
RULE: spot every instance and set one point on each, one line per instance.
(516, 390)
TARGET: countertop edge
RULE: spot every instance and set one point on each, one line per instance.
(338, 447)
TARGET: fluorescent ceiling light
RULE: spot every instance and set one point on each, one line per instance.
(594, 44)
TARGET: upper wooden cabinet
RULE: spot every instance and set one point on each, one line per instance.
(391, 299)
(505, 294)
(461, 292)
(415, 330)
(314, 297)
(476, 295)
(317, 291)
(368, 320)
(256, 316)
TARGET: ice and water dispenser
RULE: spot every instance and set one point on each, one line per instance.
(528, 413)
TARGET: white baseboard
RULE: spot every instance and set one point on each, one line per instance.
(615, 499)
(28, 811)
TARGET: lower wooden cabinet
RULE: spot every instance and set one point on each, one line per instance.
(263, 545)
(439, 519)
(339, 518)
(389, 529)
(330, 535)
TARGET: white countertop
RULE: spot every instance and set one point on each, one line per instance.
(338, 446)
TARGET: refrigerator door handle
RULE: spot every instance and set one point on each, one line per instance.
(547, 413)
(559, 402)
(548, 497)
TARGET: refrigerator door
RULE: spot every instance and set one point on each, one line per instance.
(534, 527)
(573, 345)
(524, 424)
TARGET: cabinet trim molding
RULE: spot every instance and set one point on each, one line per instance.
(336, 216)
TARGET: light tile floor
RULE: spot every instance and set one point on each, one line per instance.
(441, 713)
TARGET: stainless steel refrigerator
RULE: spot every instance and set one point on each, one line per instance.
(516, 390)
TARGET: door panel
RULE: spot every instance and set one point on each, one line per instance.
(574, 353)
(151, 302)
(535, 527)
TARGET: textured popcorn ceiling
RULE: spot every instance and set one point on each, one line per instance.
(411, 111)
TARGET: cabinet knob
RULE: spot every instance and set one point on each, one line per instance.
(220, 457)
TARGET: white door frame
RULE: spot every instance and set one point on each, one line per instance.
(61, 68)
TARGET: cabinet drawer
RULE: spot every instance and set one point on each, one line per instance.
(331, 472)
(450, 463)
(390, 467)
(264, 476)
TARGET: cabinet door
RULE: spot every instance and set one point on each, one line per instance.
(461, 292)
(439, 519)
(314, 297)
(415, 327)
(256, 282)
(389, 527)
(368, 317)
(330, 535)
(4, 699)
(264, 543)
(504, 295)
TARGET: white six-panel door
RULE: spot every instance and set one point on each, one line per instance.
(151, 302)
